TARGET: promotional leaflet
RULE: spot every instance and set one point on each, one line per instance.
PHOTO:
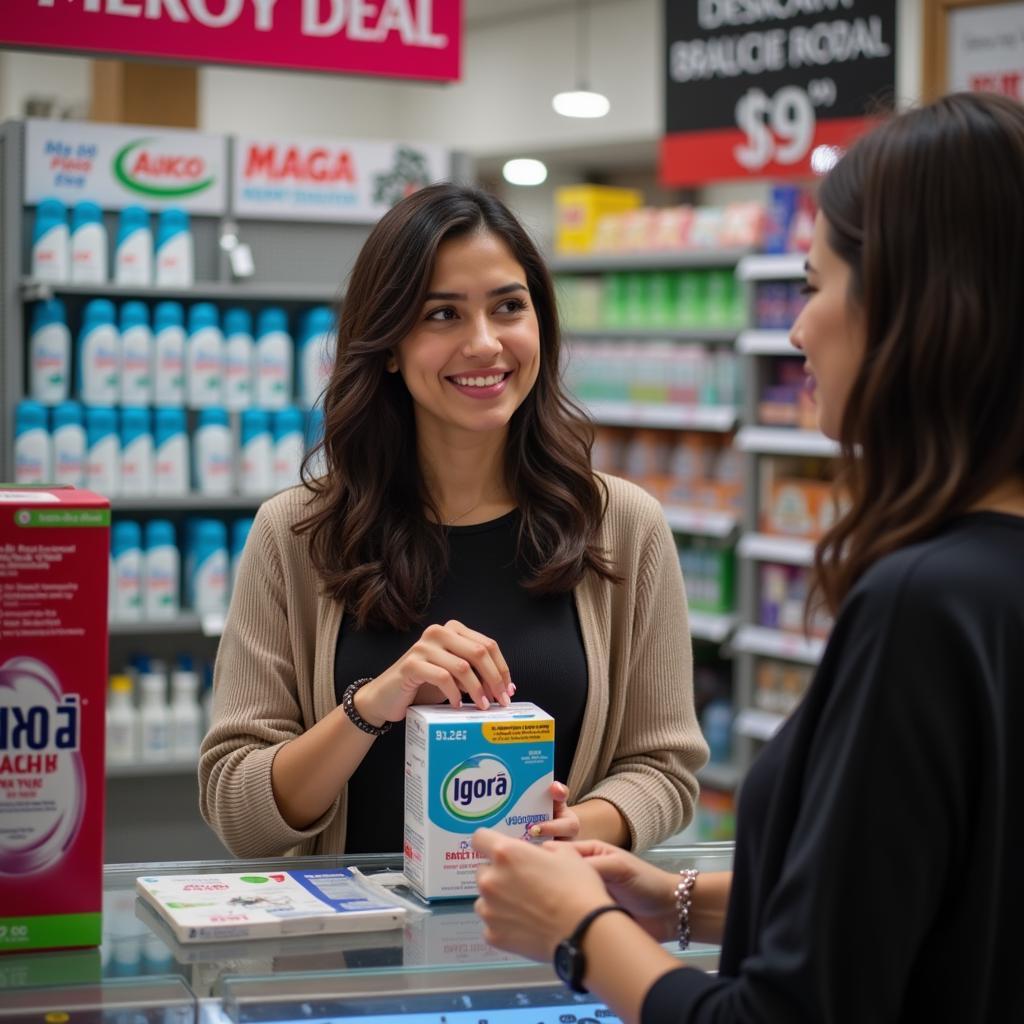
(222, 907)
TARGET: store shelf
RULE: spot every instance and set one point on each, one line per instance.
(189, 503)
(758, 724)
(774, 643)
(701, 522)
(711, 626)
(786, 266)
(713, 418)
(218, 291)
(661, 259)
(765, 343)
(720, 776)
(785, 441)
(764, 547)
(186, 624)
(146, 771)
(709, 335)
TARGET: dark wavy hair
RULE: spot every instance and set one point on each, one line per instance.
(928, 212)
(370, 541)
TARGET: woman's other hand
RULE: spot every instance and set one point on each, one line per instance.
(564, 823)
(532, 897)
(446, 662)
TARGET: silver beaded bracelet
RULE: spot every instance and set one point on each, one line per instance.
(684, 890)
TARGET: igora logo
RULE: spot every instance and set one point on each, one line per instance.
(477, 789)
(143, 167)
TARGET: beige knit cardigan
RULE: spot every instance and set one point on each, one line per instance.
(639, 744)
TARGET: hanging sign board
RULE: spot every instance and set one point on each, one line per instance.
(986, 49)
(353, 182)
(393, 38)
(769, 88)
(118, 166)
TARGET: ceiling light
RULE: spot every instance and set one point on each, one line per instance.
(581, 101)
(524, 172)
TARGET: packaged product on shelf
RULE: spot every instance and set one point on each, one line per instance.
(716, 725)
(635, 299)
(136, 453)
(706, 229)
(169, 355)
(49, 353)
(170, 453)
(720, 305)
(122, 721)
(175, 258)
(238, 359)
(314, 439)
(88, 244)
(661, 299)
(638, 229)
(671, 228)
(207, 568)
(468, 769)
(133, 254)
(652, 372)
(614, 311)
(256, 458)
(50, 242)
(69, 445)
(213, 453)
(99, 355)
(161, 573)
(239, 535)
(289, 447)
(33, 457)
(274, 358)
(607, 453)
(53, 555)
(102, 453)
(743, 225)
(126, 548)
(782, 206)
(136, 355)
(687, 466)
(647, 457)
(186, 725)
(716, 815)
(579, 208)
(204, 357)
(154, 719)
(692, 298)
(317, 342)
(796, 507)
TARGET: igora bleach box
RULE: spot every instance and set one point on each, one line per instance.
(54, 554)
(467, 769)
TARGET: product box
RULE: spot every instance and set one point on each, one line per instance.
(54, 556)
(578, 208)
(467, 769)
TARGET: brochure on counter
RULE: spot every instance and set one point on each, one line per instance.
(251, 904)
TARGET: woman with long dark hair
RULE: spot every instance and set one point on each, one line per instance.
(457, 546)
(877, 872)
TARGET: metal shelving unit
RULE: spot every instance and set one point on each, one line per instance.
(784, 441)
(658, 259)
(765, 547)
(712, 418)
(701, 522)
(214, 291)
(709, 335)
(189, 503)
(765, 343)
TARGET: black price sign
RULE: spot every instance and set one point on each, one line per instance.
(768, 88)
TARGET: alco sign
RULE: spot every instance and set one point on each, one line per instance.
(768, 88)
(391, 38)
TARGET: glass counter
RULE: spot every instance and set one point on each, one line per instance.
(437, 966)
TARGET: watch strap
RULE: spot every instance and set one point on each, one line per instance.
(575, 944)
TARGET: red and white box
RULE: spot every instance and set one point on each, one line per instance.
(54, 558)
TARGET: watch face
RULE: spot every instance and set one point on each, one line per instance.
(564, 960)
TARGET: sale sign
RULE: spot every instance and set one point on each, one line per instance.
(771, 88)
(394, 38)
(352, 181)
(118, 166)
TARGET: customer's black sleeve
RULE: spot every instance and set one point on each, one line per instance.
(885, 804)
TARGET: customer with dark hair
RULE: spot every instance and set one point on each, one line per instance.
(458, 545)
(878, 861)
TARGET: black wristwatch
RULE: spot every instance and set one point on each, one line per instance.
(570, 962)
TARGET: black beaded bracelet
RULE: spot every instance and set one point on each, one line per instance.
(349, 704)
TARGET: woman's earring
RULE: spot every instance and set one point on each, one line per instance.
(391, 365)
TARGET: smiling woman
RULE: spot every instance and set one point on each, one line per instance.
(458, 546)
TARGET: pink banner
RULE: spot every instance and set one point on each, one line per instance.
(391, 38)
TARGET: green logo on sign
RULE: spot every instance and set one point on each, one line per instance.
(138, 169)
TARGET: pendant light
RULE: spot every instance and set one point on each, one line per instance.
(581, 101)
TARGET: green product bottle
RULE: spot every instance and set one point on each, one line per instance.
(720, 298)
(691, 298)
(661, 299)
(614, 300)
(636, 299)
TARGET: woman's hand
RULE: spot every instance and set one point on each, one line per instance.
(646, 891)
(532, 897)
(446, 662)
(564, 823)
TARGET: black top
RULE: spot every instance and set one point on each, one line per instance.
(879, 863)
(538, 635)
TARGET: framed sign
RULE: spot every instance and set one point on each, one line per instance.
(764, 89)
(973, 46)
(391, 38)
